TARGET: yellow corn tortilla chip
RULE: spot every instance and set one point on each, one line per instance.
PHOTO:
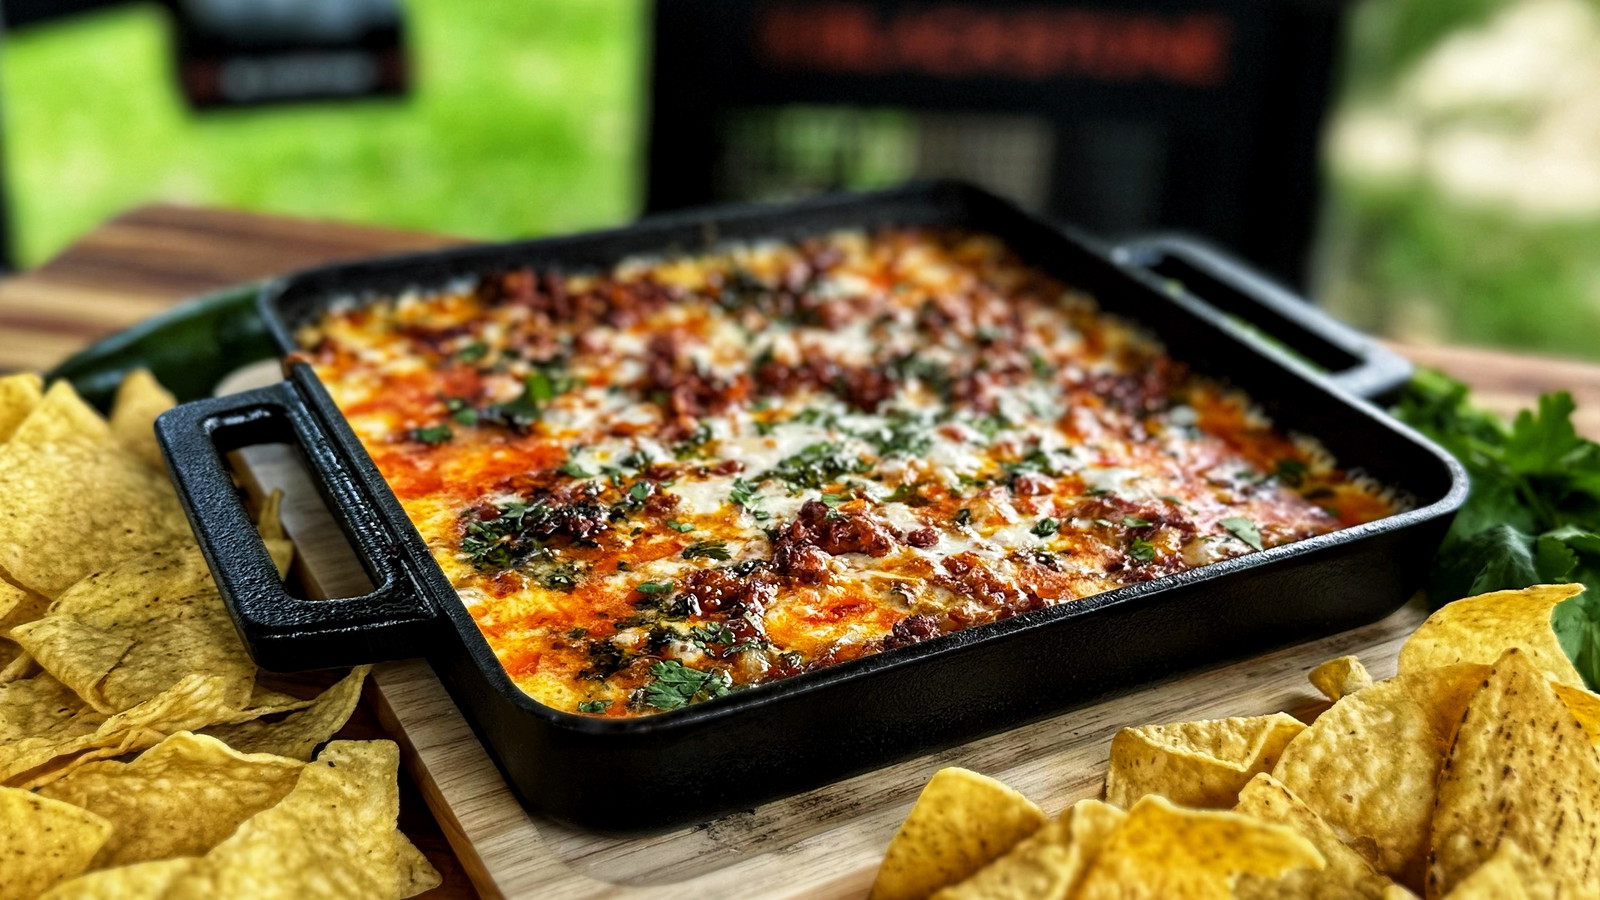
(416, 874)
(1585, 707)
(19, 395)
(1508, 874)
(1479, 629)
(85, 735)
(1443, 692)
(179, 798)
(1367, 766)
(19, 606)
(1338, 677)
(1522, 769)
(165, 608)
(43, 842)
(1047, 864)
(1202, 764)
(61, 416)
(72, 507)
(960, 823)
(1165, 852)
(297, 733)
(1347, 876)
(332, 836)
(78, 655)
(140, 398)
(141, 881)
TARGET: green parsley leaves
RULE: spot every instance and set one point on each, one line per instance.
(1243, 529)
(1141, 550)
(1533, 515)
(433, 434)
(708, 549)
(676, 685)
(1045, 528)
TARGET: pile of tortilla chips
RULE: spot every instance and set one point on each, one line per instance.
(1472, 774)
(139, 755)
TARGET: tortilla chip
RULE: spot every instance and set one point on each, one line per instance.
(1585, 707)
(416, 874)
(18, 607)
(333, 836)
(1165, 852)
(1047, 864)
(140, 398)
(19, 395)
(75, 507)
(1522, 769)
(297, 734)
(43, 842)
(61, 416)
(1201, 764)
(1338, 677)
(179, 798)
(1443, 693)
(79, 656)
(165, 608)
(1367, 766)
(1509, 874)
(142, 881)
(1479, 629)
(961, 822)
(87, 736)
(1346, 877)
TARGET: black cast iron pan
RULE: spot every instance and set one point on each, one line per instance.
(655, 772)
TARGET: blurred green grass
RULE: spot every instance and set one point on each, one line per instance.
(523, 119)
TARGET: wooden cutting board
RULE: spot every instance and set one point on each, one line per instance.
(821, 845)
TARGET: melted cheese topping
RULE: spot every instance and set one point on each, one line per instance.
(686, 476)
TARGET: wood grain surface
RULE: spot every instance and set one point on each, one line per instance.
(821, 844)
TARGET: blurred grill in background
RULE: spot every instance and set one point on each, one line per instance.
(1202, 115)
(1454, 185)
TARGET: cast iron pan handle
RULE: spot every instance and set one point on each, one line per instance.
(284, 632)
(1353, 361)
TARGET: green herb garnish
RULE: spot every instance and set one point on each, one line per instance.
(708, 549)
(1135, 522)
(818, 465)
(654, 587)
(433, 434)
(676, 685)
(1243, 529)
(679, 527)
(1046, 527)
(571, 469)
(1142, 550)
(473, 352)
(594, 706)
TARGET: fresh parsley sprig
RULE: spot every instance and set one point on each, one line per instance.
(1533, 513)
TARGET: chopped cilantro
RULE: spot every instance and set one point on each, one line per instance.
(539, 387)
(594, 706)
(433, 434)
(571, 469)
(715, 633)
(1046, 527)
(694, 443)
(640, 491)
(832, 500)
(1142, 550)
(1041, 366)
(676, 685)
(1243, 529)
(708, 549)
(654, 587)
(1290, 471)
(1135, 522)
(818, 465)
(680, 527)
(473, 352)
